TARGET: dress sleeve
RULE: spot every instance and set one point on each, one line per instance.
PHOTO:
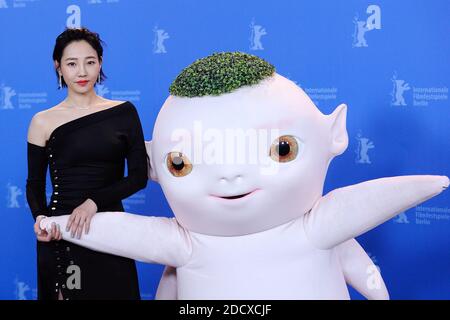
(137, 168)
(37, 172)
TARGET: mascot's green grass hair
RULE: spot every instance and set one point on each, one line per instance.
(220, 73)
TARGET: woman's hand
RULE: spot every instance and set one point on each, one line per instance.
(81, 217)
(43, 235)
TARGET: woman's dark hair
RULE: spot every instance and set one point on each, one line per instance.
(77, 34)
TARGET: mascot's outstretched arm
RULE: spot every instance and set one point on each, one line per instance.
(348, 212)
(360, 272)
(147, 239)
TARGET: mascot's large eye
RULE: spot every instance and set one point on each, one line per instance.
(178, 164)
(284, 149)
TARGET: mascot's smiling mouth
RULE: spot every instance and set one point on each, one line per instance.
(239, 196)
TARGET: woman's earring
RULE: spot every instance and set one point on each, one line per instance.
(99, 79)
(60, 82)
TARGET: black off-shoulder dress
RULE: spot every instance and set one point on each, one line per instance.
(86, 158)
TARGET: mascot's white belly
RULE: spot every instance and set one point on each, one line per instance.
(279, 263)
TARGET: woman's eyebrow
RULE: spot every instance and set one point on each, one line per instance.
(73, 58)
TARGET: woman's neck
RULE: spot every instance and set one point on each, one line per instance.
(82, 101)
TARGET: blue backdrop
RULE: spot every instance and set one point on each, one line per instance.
(388, 60)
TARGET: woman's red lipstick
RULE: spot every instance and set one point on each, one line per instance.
(82, 82)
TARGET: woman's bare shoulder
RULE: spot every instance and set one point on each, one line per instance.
(112, 103)
(40, 124)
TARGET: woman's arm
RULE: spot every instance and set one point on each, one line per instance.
(37, 167)
(137, 167)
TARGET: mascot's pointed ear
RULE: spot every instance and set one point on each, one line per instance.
(339, 136)
(150, 165)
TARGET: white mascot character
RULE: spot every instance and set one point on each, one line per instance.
(241, 154)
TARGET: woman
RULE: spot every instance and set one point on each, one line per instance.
(84, 141)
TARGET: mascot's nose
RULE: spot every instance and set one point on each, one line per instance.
(231, 179)
(230, 176)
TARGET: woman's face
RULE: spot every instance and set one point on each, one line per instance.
(80, 66)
